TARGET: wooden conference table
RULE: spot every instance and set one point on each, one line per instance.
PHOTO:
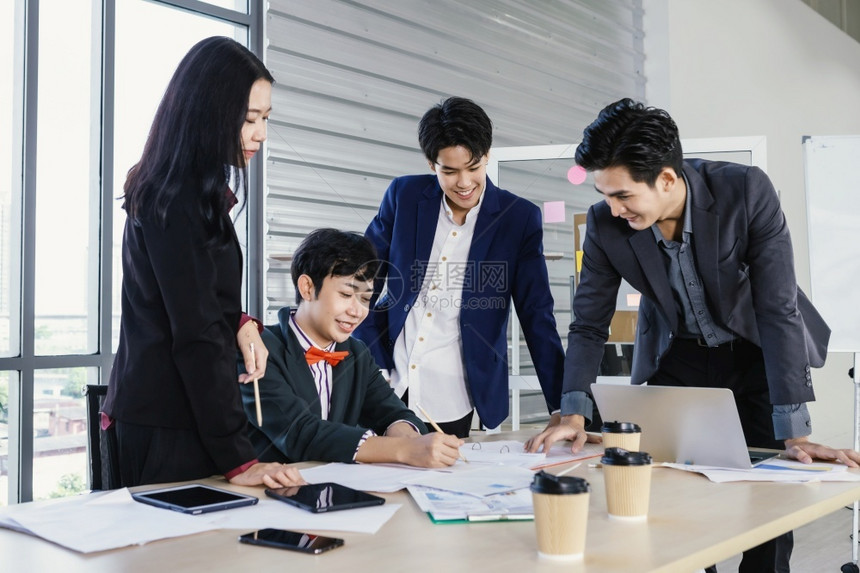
(692, 523)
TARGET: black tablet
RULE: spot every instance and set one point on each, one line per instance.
(194, 498)
(322, 497)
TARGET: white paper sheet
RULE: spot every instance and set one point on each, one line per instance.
(480, 482)
(97, 522)
(101, 521)
(505, 452)
(560, 454)
(394, 477)
(280, 515)
(776, 470)
(365, 477)
(512, 453)
(451, 506)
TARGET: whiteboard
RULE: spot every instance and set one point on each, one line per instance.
(832, 166)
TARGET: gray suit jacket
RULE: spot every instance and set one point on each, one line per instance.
(745, 259)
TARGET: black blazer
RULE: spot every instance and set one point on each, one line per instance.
(181, 304)
(744, 256)
(293, 430)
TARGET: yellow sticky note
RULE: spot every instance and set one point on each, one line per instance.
(578, 261)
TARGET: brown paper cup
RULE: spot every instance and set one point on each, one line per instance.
(561, 520)
(628, 491)
(627, 440)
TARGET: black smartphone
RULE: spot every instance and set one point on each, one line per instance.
(292, 540)
(322, 497)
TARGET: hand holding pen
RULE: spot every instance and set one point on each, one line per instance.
(436, 427)
(254, 352)
(257, 390)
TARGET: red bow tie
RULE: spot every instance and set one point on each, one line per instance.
(314, 355)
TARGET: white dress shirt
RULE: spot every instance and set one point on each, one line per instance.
(321, 370)
(428, 356)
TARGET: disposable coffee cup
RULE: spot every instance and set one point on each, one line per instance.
(621, 435)
(561, 515)
(627, 477)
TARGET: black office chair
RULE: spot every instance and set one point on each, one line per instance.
(103, 449)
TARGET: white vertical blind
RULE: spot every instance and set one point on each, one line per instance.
(354, 78)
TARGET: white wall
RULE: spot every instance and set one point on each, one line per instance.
(763, 67)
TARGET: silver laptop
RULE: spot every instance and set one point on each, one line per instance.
(682, 425)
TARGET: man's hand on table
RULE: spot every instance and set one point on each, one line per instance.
(805, 451)
(562, 428)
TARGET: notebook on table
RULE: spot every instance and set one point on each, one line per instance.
(682, 425)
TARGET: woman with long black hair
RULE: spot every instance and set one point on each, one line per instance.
(173, 395)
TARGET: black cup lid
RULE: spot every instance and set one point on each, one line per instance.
(547, 483)
(621, 457)
(620, 428)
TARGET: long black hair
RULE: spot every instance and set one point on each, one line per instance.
(196, 137)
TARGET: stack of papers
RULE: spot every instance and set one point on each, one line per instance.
(101, 521)
(450, 506)
(488, 493)
(479, 482)
(510, 453)
(493, 485)
(393, 477)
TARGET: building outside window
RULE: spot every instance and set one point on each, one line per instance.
(81, 84)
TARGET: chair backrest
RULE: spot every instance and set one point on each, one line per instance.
(103, 450)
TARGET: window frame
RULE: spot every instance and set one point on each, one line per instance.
(24, 363)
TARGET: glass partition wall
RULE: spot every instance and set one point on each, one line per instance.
(548, 176)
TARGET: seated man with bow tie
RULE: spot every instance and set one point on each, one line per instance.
(323, 397)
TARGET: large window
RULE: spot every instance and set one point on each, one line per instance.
(10, 172)
(67, 183)
(146, 68)
(11, 153)
(7, 379)
(81, 81)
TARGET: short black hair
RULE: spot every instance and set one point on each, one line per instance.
(455, 121)
(628, 134)
(330, 252)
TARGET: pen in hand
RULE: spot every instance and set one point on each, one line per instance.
(256, 389)
(437, 428)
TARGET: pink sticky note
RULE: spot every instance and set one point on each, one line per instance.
(576, 175)
(553, 212)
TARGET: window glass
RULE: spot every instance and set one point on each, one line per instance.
(545, 183)
(6, 378)
(10, 187)
(60, 431)
(237, 5)
(67, 181)
(144, 67)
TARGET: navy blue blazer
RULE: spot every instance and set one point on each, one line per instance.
(744, 256)
(505, 262)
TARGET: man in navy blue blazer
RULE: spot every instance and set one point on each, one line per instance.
(456, 250)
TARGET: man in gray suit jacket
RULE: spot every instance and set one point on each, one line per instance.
(708, 247)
